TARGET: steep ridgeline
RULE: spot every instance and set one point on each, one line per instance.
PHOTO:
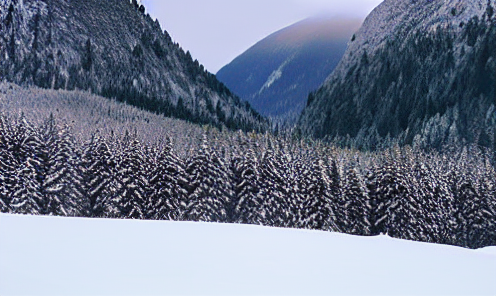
(112, 48)
(276, 74)
(418, 72)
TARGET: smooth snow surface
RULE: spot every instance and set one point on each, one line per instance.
(67, 256)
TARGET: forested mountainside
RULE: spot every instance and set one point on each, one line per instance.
(114, 49)
(52, 164)
(277, 73)
(417, 72)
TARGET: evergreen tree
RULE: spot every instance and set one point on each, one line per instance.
(52, 160)
(25, 194)
(389, 199)
(96, 169)
(9, 23)
(166, 180)
(356, 206)
(130, 180)
(209, 191)
(246, 178)
(467, 204)
(332, 178)
(87, 57)
(317, 211)
(273, 194)
(7, 165)
(431, 207)
(484, 226)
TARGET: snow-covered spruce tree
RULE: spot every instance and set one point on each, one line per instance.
(467, 205)
(484, 228)
(96, 168)
(53, 153)
(25, 190)
(276, 206)
(245, 180)
(295, 186)
(43, 161)
(491, 200)
(471, 184)
(7, 165)
(333, 179)
(130, 180)
(356, 205)
(166, 184)
(316, 210)
(390, 198)
(67, 153)
(432, 207)
(209, 191)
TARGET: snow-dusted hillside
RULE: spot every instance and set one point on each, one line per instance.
(68, 256)
(116, 50)
(420, 73)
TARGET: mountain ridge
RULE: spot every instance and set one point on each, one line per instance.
(276, 74)
(418, 73)
(113, 49)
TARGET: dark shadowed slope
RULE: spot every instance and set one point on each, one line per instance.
(277, 74)
(419, 72)
(113, 48)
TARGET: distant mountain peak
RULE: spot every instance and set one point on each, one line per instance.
(277, 73)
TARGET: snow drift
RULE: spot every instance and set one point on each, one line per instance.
(73, 256)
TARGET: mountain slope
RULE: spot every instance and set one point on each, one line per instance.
(112, 48)
(277, 73)
(419, 72)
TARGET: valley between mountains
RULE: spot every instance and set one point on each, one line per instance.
(382, 126)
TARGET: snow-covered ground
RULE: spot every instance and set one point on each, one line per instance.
(66, 256)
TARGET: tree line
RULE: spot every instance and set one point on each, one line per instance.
(447, 197)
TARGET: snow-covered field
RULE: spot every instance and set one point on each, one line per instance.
(67, 256)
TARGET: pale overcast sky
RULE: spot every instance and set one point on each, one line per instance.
(216, 31)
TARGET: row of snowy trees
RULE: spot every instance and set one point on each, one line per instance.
(447, 198)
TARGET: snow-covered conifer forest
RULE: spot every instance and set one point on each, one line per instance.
(70, 153)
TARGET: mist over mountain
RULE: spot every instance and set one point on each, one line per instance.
(277, 73)
(418, 72)
(114, 49)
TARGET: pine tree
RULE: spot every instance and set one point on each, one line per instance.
(356, 205)
(87, 57)
(25, 194)
(10, 27)
(316, 209)
(7, 165)
(333, 180)
(467, 203)
(294, 188)
(273, 194)
(484, 226)
(389, 199)
(209, 193)
(165, 190)
(96, 167)
(72, 194)
(245, 202)
(52, 160)
(129, 198)
(432, 207)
